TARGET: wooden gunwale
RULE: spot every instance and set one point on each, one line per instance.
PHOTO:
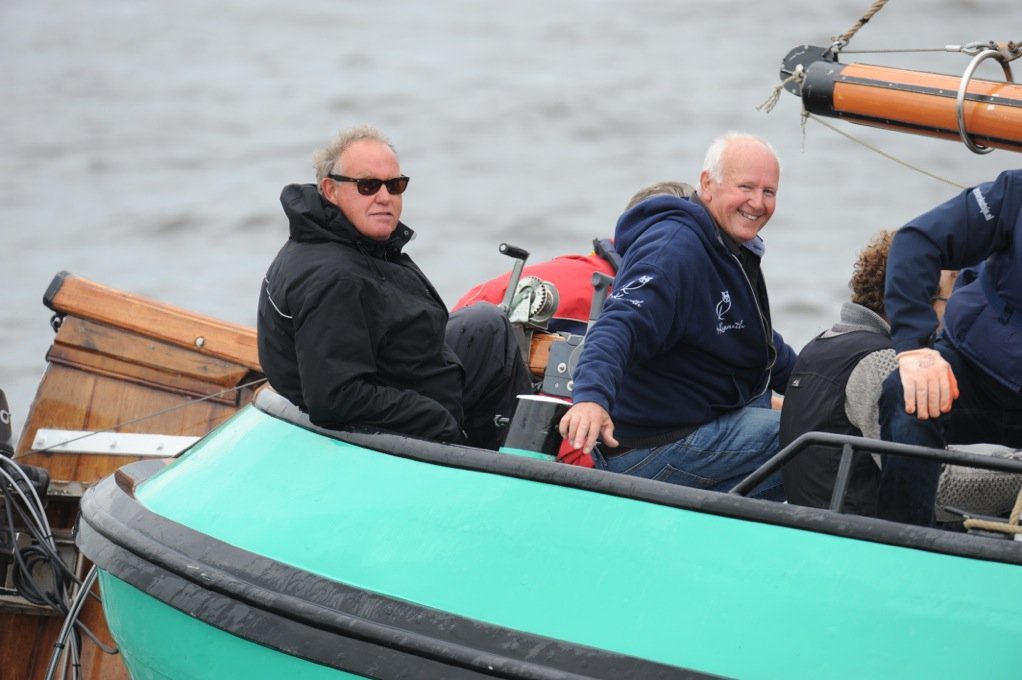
(69, 294)
(119, 361)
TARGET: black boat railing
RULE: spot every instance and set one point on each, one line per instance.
(849, 445)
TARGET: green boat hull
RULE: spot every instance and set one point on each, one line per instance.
(158, 642)
(670, 578)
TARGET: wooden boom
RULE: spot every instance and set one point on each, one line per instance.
(917, 102)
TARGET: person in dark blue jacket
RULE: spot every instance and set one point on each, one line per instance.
(963, 385)
(685, 342)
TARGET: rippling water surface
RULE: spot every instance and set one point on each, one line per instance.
(145, 144)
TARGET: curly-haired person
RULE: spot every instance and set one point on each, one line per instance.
(835, 387)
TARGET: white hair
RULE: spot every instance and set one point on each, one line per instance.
(325, 158)
(713, 162)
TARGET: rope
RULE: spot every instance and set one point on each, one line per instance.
(154, 414)
(886, 155)
(798, 75)
(842, 40)
(906, 50)
(1009, 527)
(1009, 51)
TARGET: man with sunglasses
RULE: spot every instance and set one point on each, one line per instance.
(674, 371)
(352, 331)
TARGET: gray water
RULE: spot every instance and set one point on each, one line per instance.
(145, 143)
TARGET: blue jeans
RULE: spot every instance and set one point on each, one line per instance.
(717, 456)
(985, 412)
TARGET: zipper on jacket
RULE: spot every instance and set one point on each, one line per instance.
(771, 350)
(370, 261)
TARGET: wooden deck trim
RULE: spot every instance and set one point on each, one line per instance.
(73, 295)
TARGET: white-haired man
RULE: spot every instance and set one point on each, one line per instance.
(686, 342)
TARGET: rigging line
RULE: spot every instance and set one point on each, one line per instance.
(843, 39)
(883, 50)
(797, 76)
(886, 155)
(1010, 50)
(169, 409)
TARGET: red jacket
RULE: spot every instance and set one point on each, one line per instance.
(572, 275)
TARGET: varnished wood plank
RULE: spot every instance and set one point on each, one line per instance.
(112, 367)
(26, 646)
(62, 401)
(124, 407)
(539, 352)
(131, 348)
(131, 365)
(80, 297)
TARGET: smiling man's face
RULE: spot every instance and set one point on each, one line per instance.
(374, 216)
(744, 200)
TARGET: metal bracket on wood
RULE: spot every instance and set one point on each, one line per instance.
(110, 443)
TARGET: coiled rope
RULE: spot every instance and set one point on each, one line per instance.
(1009, 527)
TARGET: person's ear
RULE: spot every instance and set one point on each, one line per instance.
(704, 186)
(328, 188)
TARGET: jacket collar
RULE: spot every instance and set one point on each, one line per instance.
(313, 219)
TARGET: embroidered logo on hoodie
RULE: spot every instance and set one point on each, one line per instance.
(623, 293)
(723, 307)
(984, 209)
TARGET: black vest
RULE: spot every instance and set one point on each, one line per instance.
(815, 401)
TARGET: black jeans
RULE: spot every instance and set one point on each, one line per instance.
(495, 372)
(985, 412)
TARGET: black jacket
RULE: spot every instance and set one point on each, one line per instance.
(814, 401)
(351, 330)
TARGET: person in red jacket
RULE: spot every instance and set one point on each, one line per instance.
(572, 276)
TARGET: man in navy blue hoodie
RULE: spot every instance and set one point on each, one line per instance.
(685, 342)
(963, 385)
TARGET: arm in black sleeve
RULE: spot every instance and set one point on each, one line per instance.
(335, 343)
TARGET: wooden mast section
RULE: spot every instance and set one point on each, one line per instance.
(982, 113)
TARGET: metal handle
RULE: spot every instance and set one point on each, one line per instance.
(520, 255)
(601, 287)
(963, 86)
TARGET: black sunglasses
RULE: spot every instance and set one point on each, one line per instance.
(369, 186)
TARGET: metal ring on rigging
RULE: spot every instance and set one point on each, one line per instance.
(963, 86)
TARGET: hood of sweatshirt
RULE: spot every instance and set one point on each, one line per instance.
(644, 215)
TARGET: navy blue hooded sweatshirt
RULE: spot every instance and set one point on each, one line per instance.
(983, 319)
(683, 339)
